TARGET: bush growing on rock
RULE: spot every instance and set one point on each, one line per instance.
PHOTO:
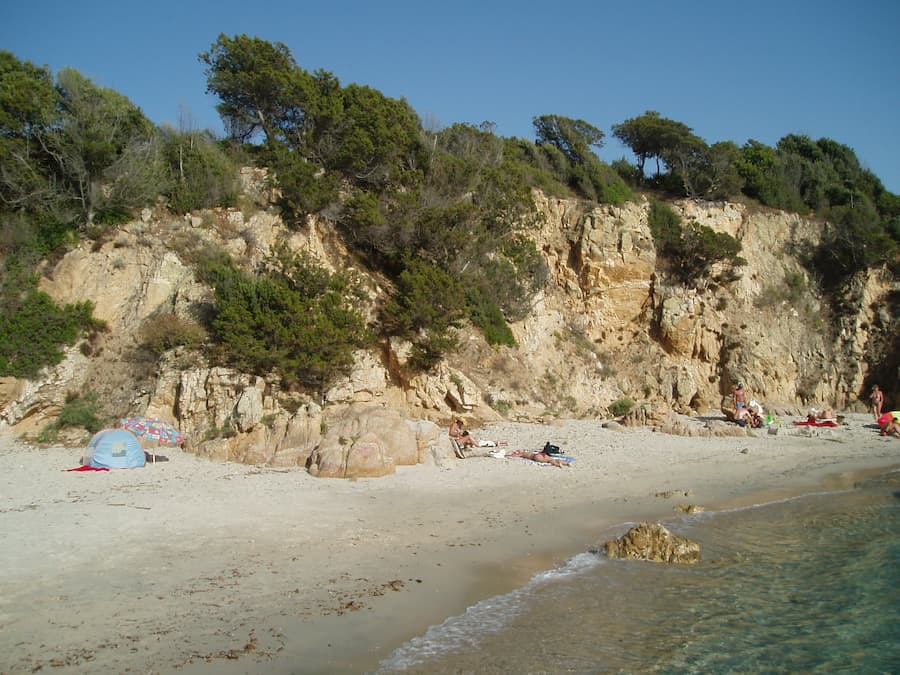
(80, 410)
(201, 173)
(488, 317)
(296, 319)
(620, 407)
(692, 250)
(168, 331)
(429, 302)
(33, 328)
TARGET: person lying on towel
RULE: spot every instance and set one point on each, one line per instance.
(819, 418)
(540, 457)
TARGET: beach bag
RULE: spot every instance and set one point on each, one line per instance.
(551, 449)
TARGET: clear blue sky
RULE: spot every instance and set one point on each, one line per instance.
(729, 70)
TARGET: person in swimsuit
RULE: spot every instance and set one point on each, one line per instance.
(877, 398)
(739, 397)
(459, 434)
(540, 457)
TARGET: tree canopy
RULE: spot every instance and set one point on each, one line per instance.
(573, 138)
(799, 174)
(258, 84)
(441, 213)
(653, 136)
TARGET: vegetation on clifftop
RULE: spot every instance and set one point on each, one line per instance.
(442, 214)
(799, 174)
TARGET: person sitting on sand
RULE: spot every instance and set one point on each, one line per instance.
(816, 414)
(461, 438)
(459, 434)
(539, 457)
(892, 428)
(889, 423)
(742, 416)
(756, 420)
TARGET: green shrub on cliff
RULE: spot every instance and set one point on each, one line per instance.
(79, 410)
(488, 317)
(33, 328)
(621, 406)
(665, 226)
(852, 242)
(428, 303)
(295, 319)
(690, 251)
(701, 247)
(201, 173)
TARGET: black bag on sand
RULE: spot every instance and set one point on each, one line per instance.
(551, 449)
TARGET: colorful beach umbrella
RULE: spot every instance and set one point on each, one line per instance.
(153, 429)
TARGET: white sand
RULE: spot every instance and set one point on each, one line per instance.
(190, 565)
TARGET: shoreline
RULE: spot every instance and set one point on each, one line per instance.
(229, 568)
(501, 578)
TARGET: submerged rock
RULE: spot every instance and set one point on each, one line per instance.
(652, 541)
(689, 508)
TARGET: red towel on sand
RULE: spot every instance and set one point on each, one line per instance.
(85, 467)
(822, 423)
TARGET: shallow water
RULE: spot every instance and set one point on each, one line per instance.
(810, 584)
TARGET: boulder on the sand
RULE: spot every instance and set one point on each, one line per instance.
(647, 416)
(652, 541)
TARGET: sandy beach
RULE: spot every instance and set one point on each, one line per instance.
(193, 566)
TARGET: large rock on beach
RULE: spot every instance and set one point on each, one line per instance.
(364, 441)
(652, 541)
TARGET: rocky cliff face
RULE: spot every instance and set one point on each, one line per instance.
(605, 328)
(608, 327)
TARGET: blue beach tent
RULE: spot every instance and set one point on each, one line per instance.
(114, 449)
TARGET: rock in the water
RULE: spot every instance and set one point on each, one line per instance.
(689, 508)
(652, 541)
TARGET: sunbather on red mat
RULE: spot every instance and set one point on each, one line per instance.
(819, 418)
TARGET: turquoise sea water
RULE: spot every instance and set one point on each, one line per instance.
(806, 585)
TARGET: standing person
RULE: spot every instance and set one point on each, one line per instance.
(877, 398)
(739, 398)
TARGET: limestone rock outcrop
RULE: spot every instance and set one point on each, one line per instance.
(238, 417)
(647, 416)
(605, 327)
(653, 542)
(371, 441)
(664, 420)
